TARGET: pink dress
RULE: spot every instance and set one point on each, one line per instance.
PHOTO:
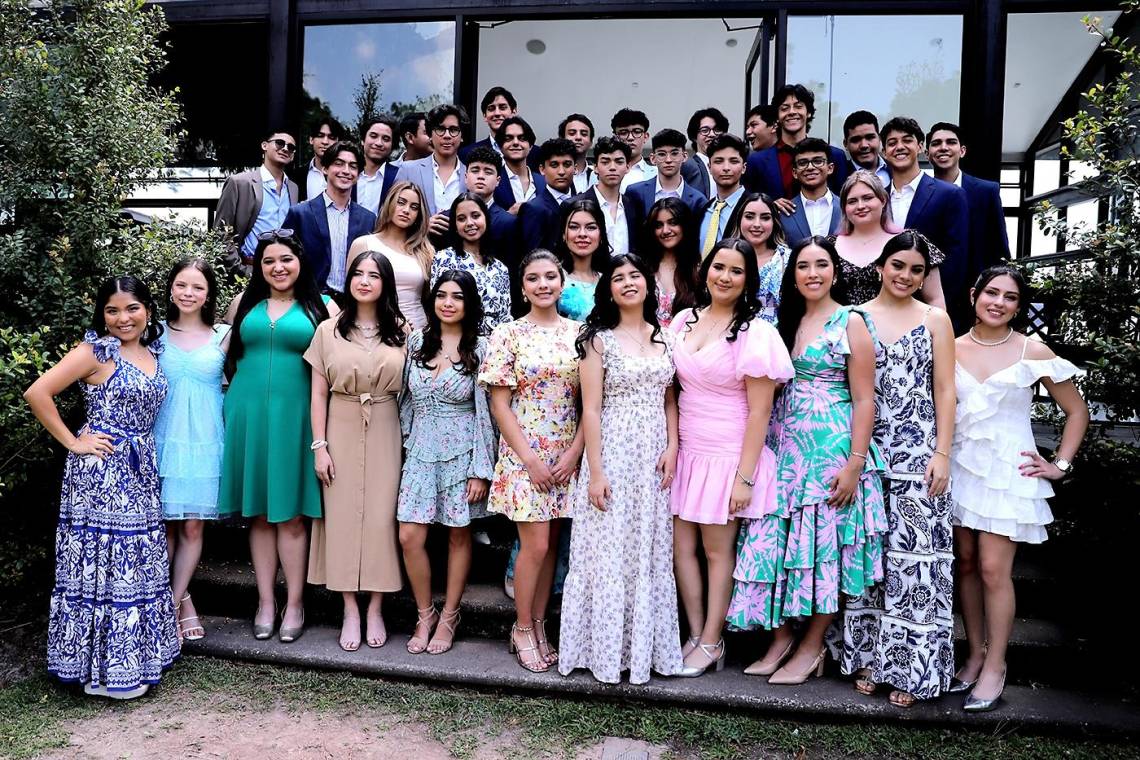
(713, 408)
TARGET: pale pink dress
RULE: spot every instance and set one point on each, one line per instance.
(714, 411)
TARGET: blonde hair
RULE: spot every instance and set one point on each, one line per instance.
(416, 243)
(871, 180)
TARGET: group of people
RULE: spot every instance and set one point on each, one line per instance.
(767, 379)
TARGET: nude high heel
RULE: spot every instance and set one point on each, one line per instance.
(783, 678)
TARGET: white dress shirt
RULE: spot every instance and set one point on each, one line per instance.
(521, 196)
(314, 180)
(660, 192)
(958, 180)
(585, 179)
(818, 213)
(639, 172)
(560, 197)
(902, 198)
(369, 188)
(445, 193)
(617, 229)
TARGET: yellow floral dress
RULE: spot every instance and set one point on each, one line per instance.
(540, 366)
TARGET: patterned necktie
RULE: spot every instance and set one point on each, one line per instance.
(714, 227)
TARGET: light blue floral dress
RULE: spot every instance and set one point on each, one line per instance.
(448, 437)
(112, 616)
(771, 275)
(189, 432)
(492, 279)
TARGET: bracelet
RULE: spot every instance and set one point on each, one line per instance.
(943, 453)
(318, 444)
(861, 456)
(744, 480)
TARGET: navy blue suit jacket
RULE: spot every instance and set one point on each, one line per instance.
(310, 224)
(531, 158)
(989, 242)
(639, 198)
(696, 175)
(538, 223)
(501, 235)
(939, 211)
(762, 174)
(505, 196)
(796, 228)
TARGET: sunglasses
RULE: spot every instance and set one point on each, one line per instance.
(284, 145)
(276, 235)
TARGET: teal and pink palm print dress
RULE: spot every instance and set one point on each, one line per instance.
(797, 561)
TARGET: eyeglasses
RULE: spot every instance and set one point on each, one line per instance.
(631, 132)
(664, 154)
(283, 234)
(450, 131)
(818, 162)
(284, 145)
(706, 131)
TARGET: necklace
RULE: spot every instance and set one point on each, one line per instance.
(640, 343)
(980, 342)
(368, 331)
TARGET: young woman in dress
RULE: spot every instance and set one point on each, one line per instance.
(268, 458)
(450, 444)
(822, 541)
(189, 432)
(1000, 481)
(584, 252)
(401, 234)
(729, 362)
(619, 606)
(111, 626)
(914, 426)
(468, 227)
(669, 246)
(757, 221)
(532, 371)
(866, 228)
(357, 372)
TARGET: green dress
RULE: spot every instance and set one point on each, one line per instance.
(267, 470)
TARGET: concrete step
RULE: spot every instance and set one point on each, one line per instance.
(484, 663)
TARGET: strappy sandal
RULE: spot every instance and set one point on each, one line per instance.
(189, 632)
(902, 699)
(427, 616)
(863, 683)
(551, 654)
(448, 619)
(535, 663)
(690, 645)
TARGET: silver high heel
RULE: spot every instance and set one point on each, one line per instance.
(289, 634)
(715, 661)
(975, 704)
(261, 632)
(958, 686)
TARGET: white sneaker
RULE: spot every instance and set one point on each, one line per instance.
(102, 691)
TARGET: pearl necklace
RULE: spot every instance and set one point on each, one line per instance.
(981, 342)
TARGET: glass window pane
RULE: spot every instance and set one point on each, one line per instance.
(1047, 171)
(1082, 217)
(1040, 242)
(1011, 226)
(1010, 196)
(1010, 176)
(917, 75)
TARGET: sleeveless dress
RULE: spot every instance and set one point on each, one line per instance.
(902, 629)
(862, 283)
(267, 465)
(798, 560)
(992, 428)
(410, 281)
(713, 407)
(112, 616)
(619, 604)
(189, 431)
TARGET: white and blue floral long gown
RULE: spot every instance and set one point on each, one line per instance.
(112, 615)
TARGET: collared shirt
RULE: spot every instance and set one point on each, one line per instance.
(370, 188)
(559, 197)
(338, 242)
(660, 192)
(585, 179)
(314, 180)
(726, 212)
(902, 198)
(617, 230)
(274, 206)
(445, 192)
(639, 172)
(958, 180)
(818, 213)
(521, 196)
(882, 171)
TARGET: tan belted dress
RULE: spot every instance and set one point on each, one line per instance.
(355, 546)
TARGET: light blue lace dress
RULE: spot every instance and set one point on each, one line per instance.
(189, 432)
(112, 617)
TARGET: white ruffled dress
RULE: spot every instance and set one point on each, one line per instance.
(992, 428)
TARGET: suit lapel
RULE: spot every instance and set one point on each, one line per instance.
(427, 182)
(836, 214)
(317, 209)
(922, 195)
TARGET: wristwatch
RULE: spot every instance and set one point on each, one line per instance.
(1064, 465)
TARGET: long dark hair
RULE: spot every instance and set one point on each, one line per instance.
(389, 318)
(793, 305)
(601, 255)
(453, 229)
(686, 253)
(210, 307)
(1020, 320)
(133, 286)
(748, 303)
(472, 319)
(733, 228)
(305, 293)
(605, 314)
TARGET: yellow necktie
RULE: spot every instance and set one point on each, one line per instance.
(714, 227)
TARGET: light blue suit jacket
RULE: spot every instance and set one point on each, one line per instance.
(419, 173)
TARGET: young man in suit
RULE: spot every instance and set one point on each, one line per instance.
(497, 105)
(538, 217)
(935, 208)
(483, 177)
(520, 182)
(579, 130)
(727, 157)
(770, 170)
(704, 126)
(327, 224)
(760, 127)
(817, 209)
(311, 180)
(632, 128)
(861, 138)
(440, 175)
(612, 158)
(414, 137)
(668, 156)
(256, 201)
(377, 175)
